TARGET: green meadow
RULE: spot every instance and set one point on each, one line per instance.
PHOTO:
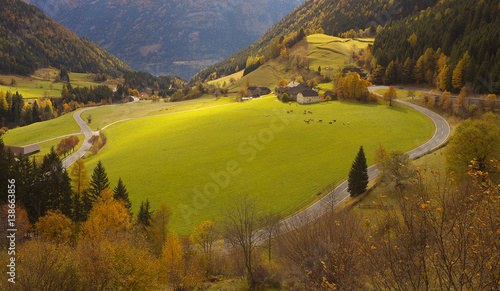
(198, 161)
(332, 52)
(41, 131)
(105, 115)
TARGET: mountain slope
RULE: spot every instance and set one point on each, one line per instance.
(331, 17)
(29, 40)
(454, 30)
(168, 36)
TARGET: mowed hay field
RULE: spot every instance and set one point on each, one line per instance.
(281, 160)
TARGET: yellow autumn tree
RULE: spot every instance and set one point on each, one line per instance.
(107, 218)
(391, 94)
(54, 226)
(158, 229)
(180, 270)
(457, 79)
(206, 235)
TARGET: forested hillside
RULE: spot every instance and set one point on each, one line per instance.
(169, 37)
(452, 44)
(325, 16)
(30, 40)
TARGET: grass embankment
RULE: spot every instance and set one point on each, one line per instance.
(42, 83)
(104, 115)
(403, 94)
(166, 158)
(41, 131)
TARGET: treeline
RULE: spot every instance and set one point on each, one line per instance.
(322, 16)
(30, 40)
(141, 81)
(450, 45)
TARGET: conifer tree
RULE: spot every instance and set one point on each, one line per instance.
(144, 215)
(390, 74)
(120, 193)
(358, 176)
(98, 182)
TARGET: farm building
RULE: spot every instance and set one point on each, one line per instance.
(361, 74)
(307, 97)
(257, 91)
(26, 150)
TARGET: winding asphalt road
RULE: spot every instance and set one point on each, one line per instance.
(339, 194)
(84, 129)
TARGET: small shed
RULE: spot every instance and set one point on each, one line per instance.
(26, 150)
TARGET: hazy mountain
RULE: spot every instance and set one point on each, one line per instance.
(169, 36)
(29, 40)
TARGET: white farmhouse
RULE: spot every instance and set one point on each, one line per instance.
(307, 97)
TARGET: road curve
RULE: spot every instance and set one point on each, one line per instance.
(84, 129)
(339, 194)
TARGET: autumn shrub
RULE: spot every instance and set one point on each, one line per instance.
(45, 265)
(54, 226)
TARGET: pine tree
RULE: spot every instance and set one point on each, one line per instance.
(98, 182)
(378, 75)
(408, 71)
(444, 79)
(144, 215)
(358, 176)
(458, 74)
(120, 193)
(36, 112)
(390, 74)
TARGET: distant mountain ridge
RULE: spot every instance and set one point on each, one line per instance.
(29, 40)
(168, 36)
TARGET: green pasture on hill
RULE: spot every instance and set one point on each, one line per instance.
(104, 115)
(329, 52)
(41, 83)
(41, 131)
(270, 154)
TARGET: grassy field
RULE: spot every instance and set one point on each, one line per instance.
(41, 131)
(280, 159)
(402, 94)
(227, 79)
(41, 83)
(104, 115)
(332, 52)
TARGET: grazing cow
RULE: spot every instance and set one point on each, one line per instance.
(348, 123)
(306, 121)
(291, 110)
(330, 122)
(305, 113)
(320, 120)
(335, 120)
(343, 123)
(288, 112)
(312, 119)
